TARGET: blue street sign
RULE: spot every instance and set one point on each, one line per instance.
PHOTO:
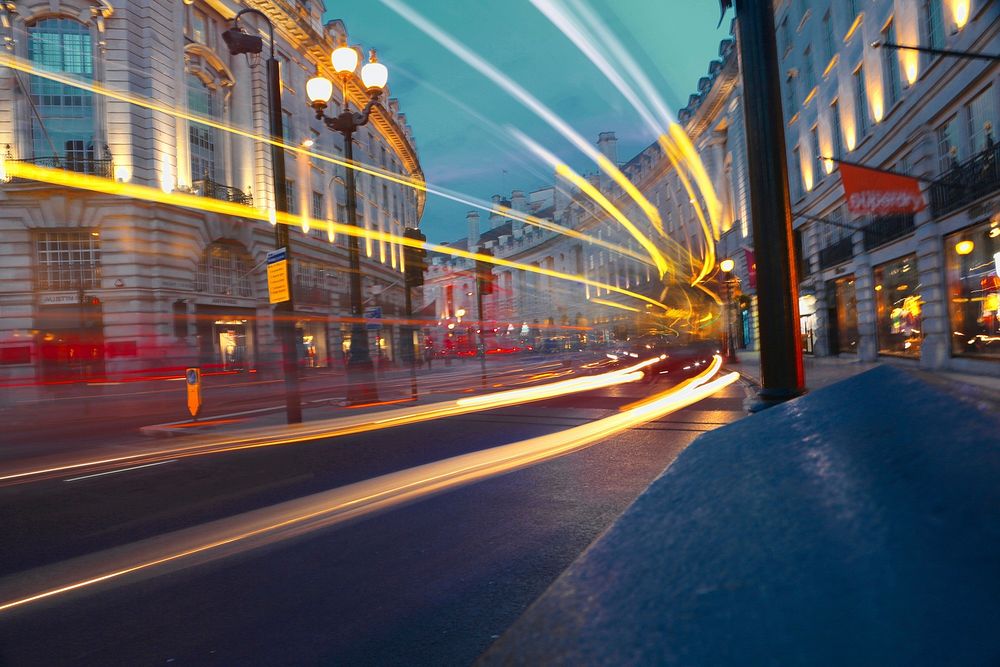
(374, 314)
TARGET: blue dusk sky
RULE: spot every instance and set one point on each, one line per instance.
(455, 112)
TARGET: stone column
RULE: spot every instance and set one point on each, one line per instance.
(864, 292)
(934, 352)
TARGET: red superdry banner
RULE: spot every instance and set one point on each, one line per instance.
(874, 192)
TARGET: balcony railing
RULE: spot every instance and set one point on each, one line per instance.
(966, 182)
(316, 296)
(206, 187)
(838, 252)
(887, 228)
(82, 165)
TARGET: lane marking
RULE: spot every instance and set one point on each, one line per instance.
(114, 472)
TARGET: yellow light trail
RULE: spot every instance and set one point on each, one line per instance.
(147, 193)
(349, 425)
(603, 302)
(417, 184)
(292, 518)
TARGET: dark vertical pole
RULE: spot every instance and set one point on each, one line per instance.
(407, 336)
(284, 311)
(777, 287)
(360, 371)
(482, 332)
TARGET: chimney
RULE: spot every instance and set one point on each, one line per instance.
(472, 220)
(608, 145)
(495, 218)
(518, 202)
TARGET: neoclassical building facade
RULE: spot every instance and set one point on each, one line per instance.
(922, 287)
(98, 286)
(527, 305)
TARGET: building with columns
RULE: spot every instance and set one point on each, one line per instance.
(922, 287)
(93, 285)
(531, 305)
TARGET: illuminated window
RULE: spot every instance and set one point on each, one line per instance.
(898, 307)
(835, 130)
(290, 201)
(949, 153)
(817, 164)
(62, 124)
(890, 66)
(933, 21)
(203, 138)
(67, 260)
(829, 42)
(981, 114)
(225, 269)
(973, 274)
(860, 101)
(317, 205)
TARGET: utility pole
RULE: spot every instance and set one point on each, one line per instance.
(484, 285)
(782, 374)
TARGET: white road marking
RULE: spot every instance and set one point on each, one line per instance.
(112, 472)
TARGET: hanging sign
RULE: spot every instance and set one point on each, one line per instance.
(277, 275)
(875, 192)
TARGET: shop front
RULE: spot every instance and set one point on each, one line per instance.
(70, 337)
(973, 279)
(807, 322)
(226, 338)
(314, 349)
(842, 317)
(898, 308)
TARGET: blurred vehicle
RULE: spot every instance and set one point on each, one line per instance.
(678, 354)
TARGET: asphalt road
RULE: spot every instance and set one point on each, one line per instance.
(430, 582)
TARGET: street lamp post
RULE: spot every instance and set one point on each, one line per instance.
(240, 42)
(727, 266)
(362, 387)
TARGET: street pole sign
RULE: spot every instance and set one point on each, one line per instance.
(193, 382)
(376, 315)
(277, 275)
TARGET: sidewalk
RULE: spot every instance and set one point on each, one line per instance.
(853, 525)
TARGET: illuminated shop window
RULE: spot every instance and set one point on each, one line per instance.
(973, 266)
(898, 307)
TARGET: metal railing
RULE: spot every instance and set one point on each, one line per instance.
(102, 167)
(316, 296)
(966, 182)
(887, 228)
(206, 187)
(838, 252)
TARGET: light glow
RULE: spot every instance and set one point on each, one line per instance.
(344, 60)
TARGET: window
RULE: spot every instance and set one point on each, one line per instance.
(65, 121)
(790, 98)
(67, 260)
(199, 27)
(203, 139)
(829, 42)
(817, 164)
(287, 127)
(385, 196)
(972, 259)
(949, 153)
(290, 201)
(860, 102)
(225, 269)
(898, 307)
(852, 11)
(981, 116)
(890, 67)
(933, 24)
(809, 72)
(835, 131)
(786, 40)
(796, 177)
(317, 205)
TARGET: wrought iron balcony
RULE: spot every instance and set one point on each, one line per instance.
(838, 252)
(102, 167)
(309, 295)
(966, 182)
(888, 228)
(206, 187)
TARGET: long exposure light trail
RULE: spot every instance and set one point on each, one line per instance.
(306, 223)
(528, 100)
(147, 193)
(341, 426)
(294, 518)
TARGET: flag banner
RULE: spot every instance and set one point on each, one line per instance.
(751, 261)
(874, 192)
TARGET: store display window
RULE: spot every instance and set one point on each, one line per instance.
(898, 307)
(973, 266)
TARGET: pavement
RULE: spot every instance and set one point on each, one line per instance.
(855, 525)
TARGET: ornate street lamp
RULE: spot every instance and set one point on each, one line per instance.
(362, 388)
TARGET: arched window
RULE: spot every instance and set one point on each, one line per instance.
(204, 139)
(62, 122)
(225, 268)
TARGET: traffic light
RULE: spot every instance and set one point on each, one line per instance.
(415, 258)
(484, 273)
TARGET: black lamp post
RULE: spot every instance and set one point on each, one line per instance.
(727, 266)
(241, 42)
(362, 387)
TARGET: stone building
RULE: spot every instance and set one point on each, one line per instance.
(93, 285)
(532, 305)
(923, 286)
